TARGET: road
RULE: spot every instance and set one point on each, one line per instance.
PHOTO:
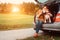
(16, 34)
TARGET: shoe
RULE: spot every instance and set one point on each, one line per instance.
(35, 35)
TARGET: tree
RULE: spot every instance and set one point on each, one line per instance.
(29, 8)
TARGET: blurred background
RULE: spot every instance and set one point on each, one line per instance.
(16, 14)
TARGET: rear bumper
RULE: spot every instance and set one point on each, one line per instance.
(53, 27)
(50, 29)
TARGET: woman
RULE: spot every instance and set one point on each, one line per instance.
(39, 20)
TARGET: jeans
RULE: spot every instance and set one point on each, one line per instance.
(38, 25)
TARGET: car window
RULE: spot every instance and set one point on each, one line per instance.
(59, 7)
(42, 1)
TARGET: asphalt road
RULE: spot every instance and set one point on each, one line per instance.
(16, 34)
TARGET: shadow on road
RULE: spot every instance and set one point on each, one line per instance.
(51, 35)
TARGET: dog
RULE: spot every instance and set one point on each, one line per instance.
(47, 15)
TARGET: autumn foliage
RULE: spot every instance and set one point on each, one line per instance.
(25, 8)
(29, 8)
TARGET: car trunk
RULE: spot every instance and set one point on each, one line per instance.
(56, 23)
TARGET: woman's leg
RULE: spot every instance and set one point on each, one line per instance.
(38, 27)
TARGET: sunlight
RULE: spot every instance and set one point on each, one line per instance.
(15, 9)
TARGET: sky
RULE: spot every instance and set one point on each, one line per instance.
(16, 1)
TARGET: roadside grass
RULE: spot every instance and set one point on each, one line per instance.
(17, 26)
(13, 21)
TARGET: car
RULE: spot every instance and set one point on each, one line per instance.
(55, 9)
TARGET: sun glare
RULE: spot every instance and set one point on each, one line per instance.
(15, 9)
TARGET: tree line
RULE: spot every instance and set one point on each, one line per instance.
(29, 8)
(25, 8)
